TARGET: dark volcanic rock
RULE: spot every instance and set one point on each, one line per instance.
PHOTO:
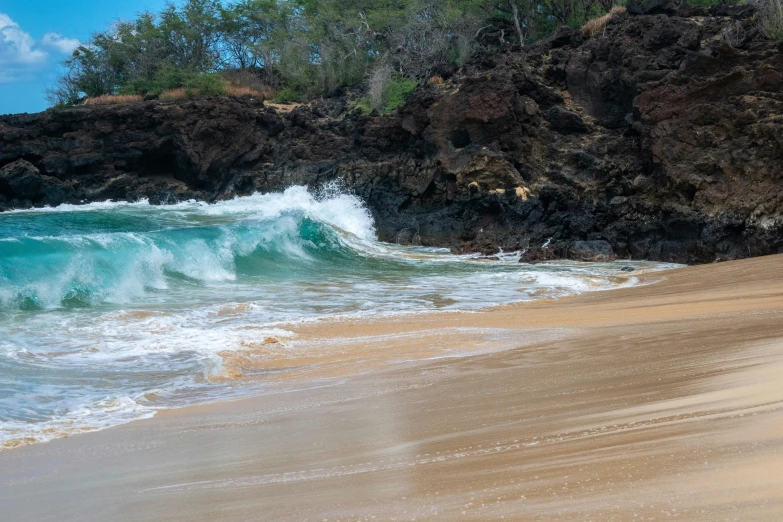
(21, 179)
(24, 184)
(596, 250)
(566, 121)
(640, 7)
(652, 140)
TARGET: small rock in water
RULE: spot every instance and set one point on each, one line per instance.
(627, 269)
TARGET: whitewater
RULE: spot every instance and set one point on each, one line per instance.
(110, 312)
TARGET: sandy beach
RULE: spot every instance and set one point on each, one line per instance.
(663, 400)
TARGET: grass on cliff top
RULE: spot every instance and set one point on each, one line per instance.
(394, 96)
(598, 25)
(108, 99)
(194, 87)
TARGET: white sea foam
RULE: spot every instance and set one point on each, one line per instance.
(99, 415)
(107, 322)
(331, 206)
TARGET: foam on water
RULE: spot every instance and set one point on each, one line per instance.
(111, 311)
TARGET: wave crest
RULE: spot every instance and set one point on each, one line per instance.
(120, 252)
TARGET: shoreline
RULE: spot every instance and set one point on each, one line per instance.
(656, 400)
(280, 360)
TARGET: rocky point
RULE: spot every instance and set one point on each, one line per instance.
(653, 139)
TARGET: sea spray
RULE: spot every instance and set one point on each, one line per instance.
(110, 311)
(81, 256)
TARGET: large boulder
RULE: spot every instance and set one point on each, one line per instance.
(566, 121)
(21, 180)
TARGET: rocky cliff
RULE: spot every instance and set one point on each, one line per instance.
(652, 139)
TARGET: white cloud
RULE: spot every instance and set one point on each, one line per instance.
(60, 42)
(16, 46)
(17, 54)
(21, 57)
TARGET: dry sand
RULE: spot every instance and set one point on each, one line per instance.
(654, 402)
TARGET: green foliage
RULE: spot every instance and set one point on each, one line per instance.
(206, 84)
(363, 105)
(394, 94)
(169, 77)
(166, 78)
(396, 91)
(771, 19)
(287, 95)
(305, 48)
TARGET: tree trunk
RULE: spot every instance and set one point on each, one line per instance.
(515, 13)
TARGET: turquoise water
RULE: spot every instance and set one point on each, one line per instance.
(111, 311)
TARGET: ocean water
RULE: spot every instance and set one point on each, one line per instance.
(112, 311)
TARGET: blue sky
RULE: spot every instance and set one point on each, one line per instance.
(36, 35)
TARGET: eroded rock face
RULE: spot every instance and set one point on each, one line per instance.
(21, 180)
(652, 140)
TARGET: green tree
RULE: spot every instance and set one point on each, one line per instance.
(303, 47)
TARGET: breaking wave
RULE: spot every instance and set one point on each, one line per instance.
(112, 311)
(76, 256)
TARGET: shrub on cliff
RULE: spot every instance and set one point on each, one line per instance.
(771, 19)
(169, 78)
(385, 93)
(287, 95)
(732, 35)
(377, 86)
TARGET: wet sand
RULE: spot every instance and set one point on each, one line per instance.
(647, 403)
